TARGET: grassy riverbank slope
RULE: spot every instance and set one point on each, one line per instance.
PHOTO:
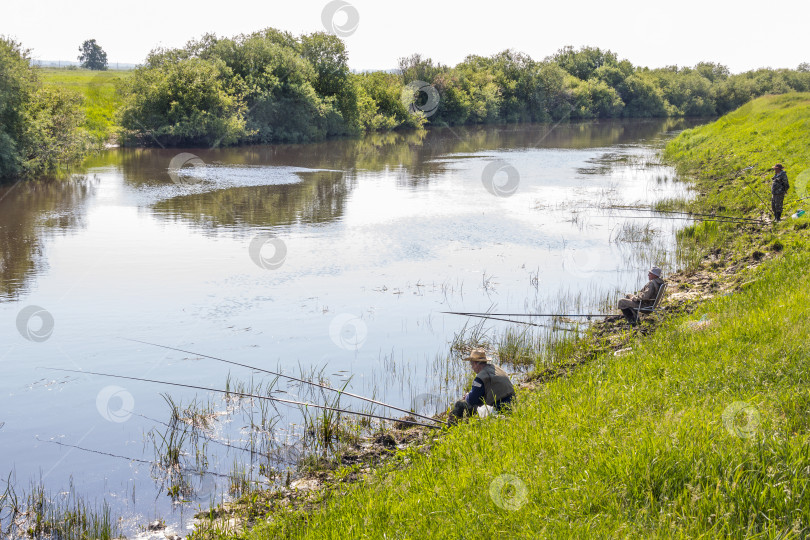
(759, 134)
(701, 429)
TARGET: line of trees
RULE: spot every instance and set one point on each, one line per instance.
(270, 86)
(263, 87)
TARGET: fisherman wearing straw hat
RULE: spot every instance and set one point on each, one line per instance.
(491, 387)
(779, 186)
(630, 304)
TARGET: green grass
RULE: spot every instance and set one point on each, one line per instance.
(766, 131)
(761, 133)
(100, 92)
(700, 430)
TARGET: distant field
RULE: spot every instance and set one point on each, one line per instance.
(100, 90)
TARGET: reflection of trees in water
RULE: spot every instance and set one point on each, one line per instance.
(412, 157)
(29, 212)
(320, 197)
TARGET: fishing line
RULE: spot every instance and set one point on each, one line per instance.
(242, 394)
(184, 469)
(288, 377)
(527, 314)
(511, 321)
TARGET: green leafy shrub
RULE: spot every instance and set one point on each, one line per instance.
(40, 128)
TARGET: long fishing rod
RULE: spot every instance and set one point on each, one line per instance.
(480, 316)
(746, 184)
(587, 315)
(736, 221)
(743, 218)
(242, 394)
(288, 377)
(718, 216)
(722, 220)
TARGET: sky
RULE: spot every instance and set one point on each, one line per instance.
(742, 35)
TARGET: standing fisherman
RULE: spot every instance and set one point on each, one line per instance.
(630, 304)
(491, 387)
(779, 186)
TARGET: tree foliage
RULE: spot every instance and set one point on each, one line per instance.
(271, 86)
(92, 56)
(40, 128)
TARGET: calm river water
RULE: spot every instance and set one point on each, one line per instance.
(335, 258)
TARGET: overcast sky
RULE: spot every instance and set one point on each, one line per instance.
(741, 35)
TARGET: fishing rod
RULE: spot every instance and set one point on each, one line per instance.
(746, 184)
(736, 221)
(242, 394)
(718, 216)
(288, 377)
(587, 315)
(681, 213)
(481, 316)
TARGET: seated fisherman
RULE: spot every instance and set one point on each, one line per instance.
(491, 387)
(630, 304)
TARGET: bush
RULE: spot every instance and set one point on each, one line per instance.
(183, 101)
(17, 85)
(40, 129)
(53, 134)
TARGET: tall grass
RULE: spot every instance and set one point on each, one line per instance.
(62, 516)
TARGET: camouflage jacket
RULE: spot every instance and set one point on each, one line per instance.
(646, 296)
(780, 183)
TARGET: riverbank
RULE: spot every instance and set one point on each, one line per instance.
(694, 425)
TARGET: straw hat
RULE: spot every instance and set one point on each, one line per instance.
(478, 355)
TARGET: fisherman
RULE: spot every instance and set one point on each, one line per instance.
(491, 387)
(779, 186)
(630, 304)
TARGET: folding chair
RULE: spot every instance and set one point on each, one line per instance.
(650, 309)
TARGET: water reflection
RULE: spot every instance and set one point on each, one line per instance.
(29, 213)
(320, 197)
(413, 158)
(415, 153)
(316, 190)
